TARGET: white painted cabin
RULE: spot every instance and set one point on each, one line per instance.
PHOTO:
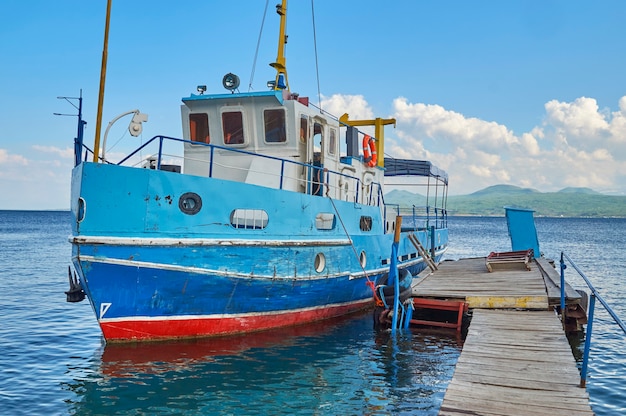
(293, 135)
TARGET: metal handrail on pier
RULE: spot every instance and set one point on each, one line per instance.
(592, 301)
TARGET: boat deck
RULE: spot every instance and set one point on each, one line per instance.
(516, 359)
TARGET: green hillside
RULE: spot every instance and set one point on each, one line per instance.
(568, 202)
(503, 190)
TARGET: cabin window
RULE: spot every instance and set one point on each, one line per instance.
(252, 219)
(332, 142)
(232, 124)
(199, 128)
(304, 128)
(275, 126)
(365, 223)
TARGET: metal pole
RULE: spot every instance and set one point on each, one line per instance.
(103, 75)
(583, 369)
(78, 144)
(393, 272)
(563, 267)
(158, 166)
(432, 243)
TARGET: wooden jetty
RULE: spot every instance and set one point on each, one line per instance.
(516, 359)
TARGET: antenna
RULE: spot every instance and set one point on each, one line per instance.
(78, 140)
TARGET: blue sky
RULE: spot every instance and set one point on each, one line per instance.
(527, 93)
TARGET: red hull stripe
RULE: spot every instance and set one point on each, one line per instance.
(179, 327)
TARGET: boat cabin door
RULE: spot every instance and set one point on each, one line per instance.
(311, 150)
(318, 145)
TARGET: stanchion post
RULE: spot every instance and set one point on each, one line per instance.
(563, 267)
(583, 368)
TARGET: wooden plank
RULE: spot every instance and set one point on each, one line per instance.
(507, 302)
(515, 395)
(515, 363)
(507, 402)
(504, 380)
(555, 278)
(469, 280)
(532, 372)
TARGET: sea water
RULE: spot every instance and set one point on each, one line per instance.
(53, 360)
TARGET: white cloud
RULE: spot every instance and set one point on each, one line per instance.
(67, 153)
(529, 144)
(436, 122)
(582, 125)
(580, 119)
(354, 105)
(576, 145)
(30, 184)
(10, 160)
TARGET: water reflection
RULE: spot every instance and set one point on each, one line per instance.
(336, 367)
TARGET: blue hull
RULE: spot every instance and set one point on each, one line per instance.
(151, 271)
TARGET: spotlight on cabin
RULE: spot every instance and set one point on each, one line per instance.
(230, 82)
(201, 89)
(271, 84)
(135, 126)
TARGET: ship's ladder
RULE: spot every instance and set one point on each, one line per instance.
(420, 249)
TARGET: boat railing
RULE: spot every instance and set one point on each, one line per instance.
(321, 181)
(423, 217)
(591, 308)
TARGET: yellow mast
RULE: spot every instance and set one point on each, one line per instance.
(103, 72)
(280, 64)
(379, 132)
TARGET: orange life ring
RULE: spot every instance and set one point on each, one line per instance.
(369, 151)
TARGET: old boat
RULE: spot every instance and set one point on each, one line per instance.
(265, 221)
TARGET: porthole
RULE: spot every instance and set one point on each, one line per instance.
(190, 203)
(363, 259)
(320, 262)
(82, 209)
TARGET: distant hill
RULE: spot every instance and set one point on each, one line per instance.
(502, 190)
(579, 191)
(404, 198)
(568, 202)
